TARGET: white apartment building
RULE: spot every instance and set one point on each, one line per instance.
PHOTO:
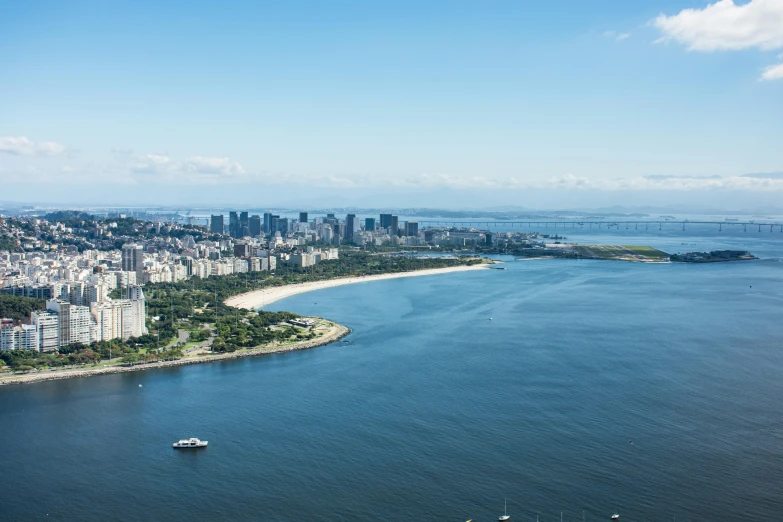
(48, 325)
(119, 318)
(76, 324)
(24, 337)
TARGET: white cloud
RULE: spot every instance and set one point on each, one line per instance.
(216, 166)
(773, 72)
(614, 35)
(200, 170)
(151, 164)
(668, 183)
(725, 25)
(22, 146)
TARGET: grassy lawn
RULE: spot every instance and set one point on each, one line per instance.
(646, 251)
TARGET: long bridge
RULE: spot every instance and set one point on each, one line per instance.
(603, 224)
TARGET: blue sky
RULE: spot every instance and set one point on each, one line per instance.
(453, 103)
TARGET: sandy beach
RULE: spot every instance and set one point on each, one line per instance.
(261, 298)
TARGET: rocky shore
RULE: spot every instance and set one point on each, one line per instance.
(336, 333)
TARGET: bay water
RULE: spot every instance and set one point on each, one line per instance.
(581, 387)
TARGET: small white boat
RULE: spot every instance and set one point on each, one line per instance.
(615, 517)
(191, 443)
(505, 516)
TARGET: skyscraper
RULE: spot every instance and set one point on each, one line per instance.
(303, 217)
(394, 227)
(216, 224)
(350, 222)
(244, 225)
(267, 222)
(369, 224)
(255, 226)
(386, 220)
(280, 225)
(233, 224)
(411, 228)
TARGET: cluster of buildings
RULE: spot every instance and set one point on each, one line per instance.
(63, 323)
(329, 229)
(76, 282)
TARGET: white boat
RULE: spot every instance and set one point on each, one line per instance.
(615, 517)
(191, 443)
(505, 515)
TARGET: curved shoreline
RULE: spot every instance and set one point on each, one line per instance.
(340, 331)
(260, 298)
(249, 300)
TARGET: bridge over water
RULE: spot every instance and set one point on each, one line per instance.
(606, 225)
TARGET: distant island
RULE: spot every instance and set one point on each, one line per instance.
(638, 254)
(716, 256)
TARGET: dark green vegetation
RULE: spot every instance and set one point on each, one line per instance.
(716, 256)
(9, 243)
(19, 308)
(191, 304)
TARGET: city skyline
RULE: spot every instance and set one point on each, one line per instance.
(453, 104)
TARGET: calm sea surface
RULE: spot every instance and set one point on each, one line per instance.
(654, 391)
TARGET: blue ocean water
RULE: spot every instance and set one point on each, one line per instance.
(652, 390)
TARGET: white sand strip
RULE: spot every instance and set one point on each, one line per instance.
(261, 298)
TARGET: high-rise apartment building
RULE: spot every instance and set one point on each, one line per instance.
(47, 324)
(76, 324)
(6, 334)
(133, 259)
(119, 319)
(216, 224)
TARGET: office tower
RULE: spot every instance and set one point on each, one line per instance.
(233, 224)
(488, 237)
(280, 225)
(216, 224)
(244, 225)
(267, 222)
(369, 224)
(394, 227)
(133, 259)
(411, 228)
(339, 232)
(255, 226)
(350, 222)
(328, 235)
(386, 220)
(303, 217)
